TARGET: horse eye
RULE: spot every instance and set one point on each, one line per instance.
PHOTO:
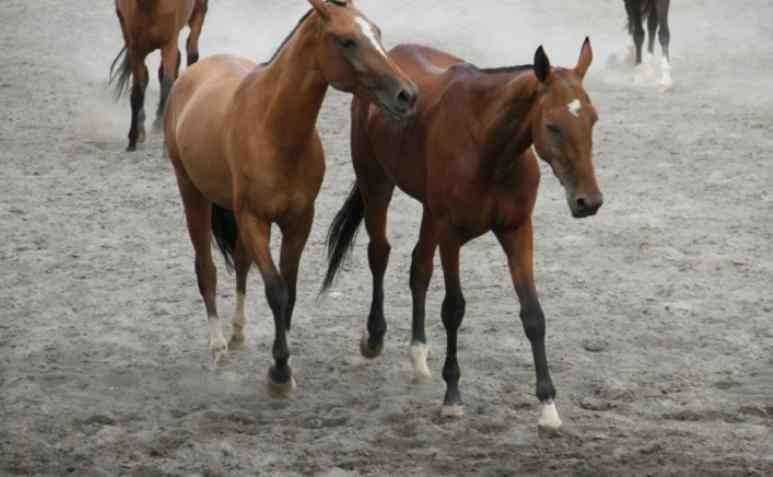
(347, 43)
(554, 130)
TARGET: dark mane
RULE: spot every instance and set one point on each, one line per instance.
(287, 39)
(507, 69)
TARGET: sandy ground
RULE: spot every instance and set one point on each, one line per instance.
(659, 309)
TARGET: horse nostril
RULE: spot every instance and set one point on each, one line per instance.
(406, 98)
(581, 203)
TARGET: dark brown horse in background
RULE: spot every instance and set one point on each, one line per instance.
(655, 13)
(244, 145)
(467, 157)
(149, 25)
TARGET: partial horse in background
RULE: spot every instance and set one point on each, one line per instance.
(150, 25)
(655, 12)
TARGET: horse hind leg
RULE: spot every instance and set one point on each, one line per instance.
(666, 81)
(167, 74)
(421, 274)
(198, 214)
(137, 100)
(377, 198)
(242, 264)
(196, 24)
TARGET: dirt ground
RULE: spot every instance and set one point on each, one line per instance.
(659, 309)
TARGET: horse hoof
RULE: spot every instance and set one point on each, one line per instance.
(368, 351)
(131, 148)
(454, 411)
(218, 350)
(281, 390)
(419, 353)
(549, 420)
(236, 342)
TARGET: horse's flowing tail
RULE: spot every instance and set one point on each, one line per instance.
(226, 232)
(121, 75)
(342, 233)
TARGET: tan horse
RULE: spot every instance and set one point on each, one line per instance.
(149, 25)
(467, 156)
(243, 141)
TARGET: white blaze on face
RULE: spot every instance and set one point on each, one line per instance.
(575, 107)
(370, 34)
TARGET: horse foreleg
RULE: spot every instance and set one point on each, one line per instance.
(294, 237)
(256, 236)
(196, 24)
(452, 314)
(421, 274)
(518, 244)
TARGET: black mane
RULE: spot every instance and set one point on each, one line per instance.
(507, 69)
(287, 39)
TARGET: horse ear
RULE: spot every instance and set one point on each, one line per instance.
(321, 7)
(586, 58)
(541, 65)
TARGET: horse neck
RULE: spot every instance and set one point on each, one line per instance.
(295, 86)
(507, 118)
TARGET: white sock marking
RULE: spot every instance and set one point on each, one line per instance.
(575, 107)
(549, 418)
(370, 34)
(419, 352)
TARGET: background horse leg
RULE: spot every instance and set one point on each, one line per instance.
(376, 195)
(242, 264)
(635, 28)
(652, 29)
(198, 213)
(519, 246)
(452, 315)
(666, 82)
(139, 84)
(170, 67)
(196, 24)
(256, 236)
(421, 274)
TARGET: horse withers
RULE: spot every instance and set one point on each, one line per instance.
(149, 25)
(467, 156)
(244, 145)
(655, 13)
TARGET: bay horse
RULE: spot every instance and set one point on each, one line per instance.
(149, 25)
(246, 152)
(655, 13)
(467, 157)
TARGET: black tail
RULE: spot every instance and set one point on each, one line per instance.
(342, 233)
(121, 75)
(226, 233)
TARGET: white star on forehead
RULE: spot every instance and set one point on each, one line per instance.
(575, 107)
(370, 34)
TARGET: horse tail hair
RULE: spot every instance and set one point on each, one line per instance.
(342, 234)
(121, 75)
(226, 233)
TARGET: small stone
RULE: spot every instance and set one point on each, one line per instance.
(595, 345)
